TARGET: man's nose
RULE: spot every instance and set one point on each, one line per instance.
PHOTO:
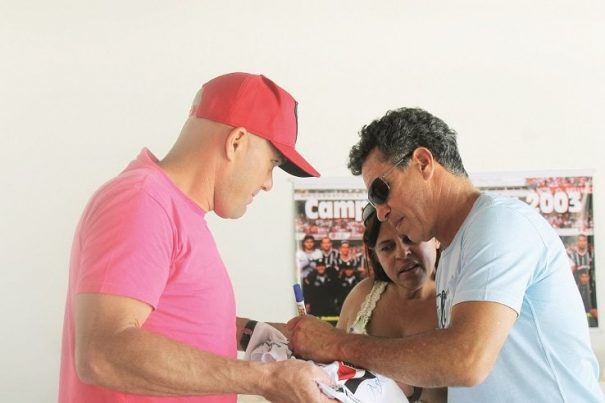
(382, 212)
(268, 183)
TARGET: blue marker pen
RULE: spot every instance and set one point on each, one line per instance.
(300, 301)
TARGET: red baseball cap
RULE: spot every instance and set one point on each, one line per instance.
(258, 104)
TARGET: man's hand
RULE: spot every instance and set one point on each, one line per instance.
(295, 381)
(314, 339)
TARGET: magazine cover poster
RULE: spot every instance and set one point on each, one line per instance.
(329, 250)
(329, 228)
(565, 201)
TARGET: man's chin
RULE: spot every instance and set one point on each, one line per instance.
(238, 214)
(233, 214)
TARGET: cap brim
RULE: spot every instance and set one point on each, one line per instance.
(295, 165)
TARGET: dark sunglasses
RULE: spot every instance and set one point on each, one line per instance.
(379, 190)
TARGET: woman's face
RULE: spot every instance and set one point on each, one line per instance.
(407, 264)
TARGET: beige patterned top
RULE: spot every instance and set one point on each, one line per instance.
(364, 315)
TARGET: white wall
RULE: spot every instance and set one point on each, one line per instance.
(85, 84)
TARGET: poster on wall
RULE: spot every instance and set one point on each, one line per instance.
(329, 229)
(564, 199)
(328, 233)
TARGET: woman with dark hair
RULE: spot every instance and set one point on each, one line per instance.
(399, 298)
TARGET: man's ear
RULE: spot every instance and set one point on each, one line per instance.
(425, 161)
(236, 141)
(437, 244)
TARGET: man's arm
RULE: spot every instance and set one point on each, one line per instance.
(113, 351)
(461, 355)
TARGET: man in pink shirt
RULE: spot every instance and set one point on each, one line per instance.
(150, 313)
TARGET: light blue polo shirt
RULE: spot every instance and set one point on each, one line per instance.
(506, 252)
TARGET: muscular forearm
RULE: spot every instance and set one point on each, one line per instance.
(415, 360)
(461, 355)
(113, 351)
(141, 362)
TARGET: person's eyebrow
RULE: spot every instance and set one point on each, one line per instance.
(384, 242)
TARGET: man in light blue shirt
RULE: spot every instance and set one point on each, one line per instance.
(512, 327)
(505, 252)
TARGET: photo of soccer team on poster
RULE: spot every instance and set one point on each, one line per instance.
(329, 228)
(329, 258)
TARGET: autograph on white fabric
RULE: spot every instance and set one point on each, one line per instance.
(351, 384)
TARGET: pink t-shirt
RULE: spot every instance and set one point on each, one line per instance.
(142, 238)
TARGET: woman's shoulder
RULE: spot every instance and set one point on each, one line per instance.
(352, 304)
(364, 286)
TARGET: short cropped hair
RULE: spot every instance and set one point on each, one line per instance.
(399, 132)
